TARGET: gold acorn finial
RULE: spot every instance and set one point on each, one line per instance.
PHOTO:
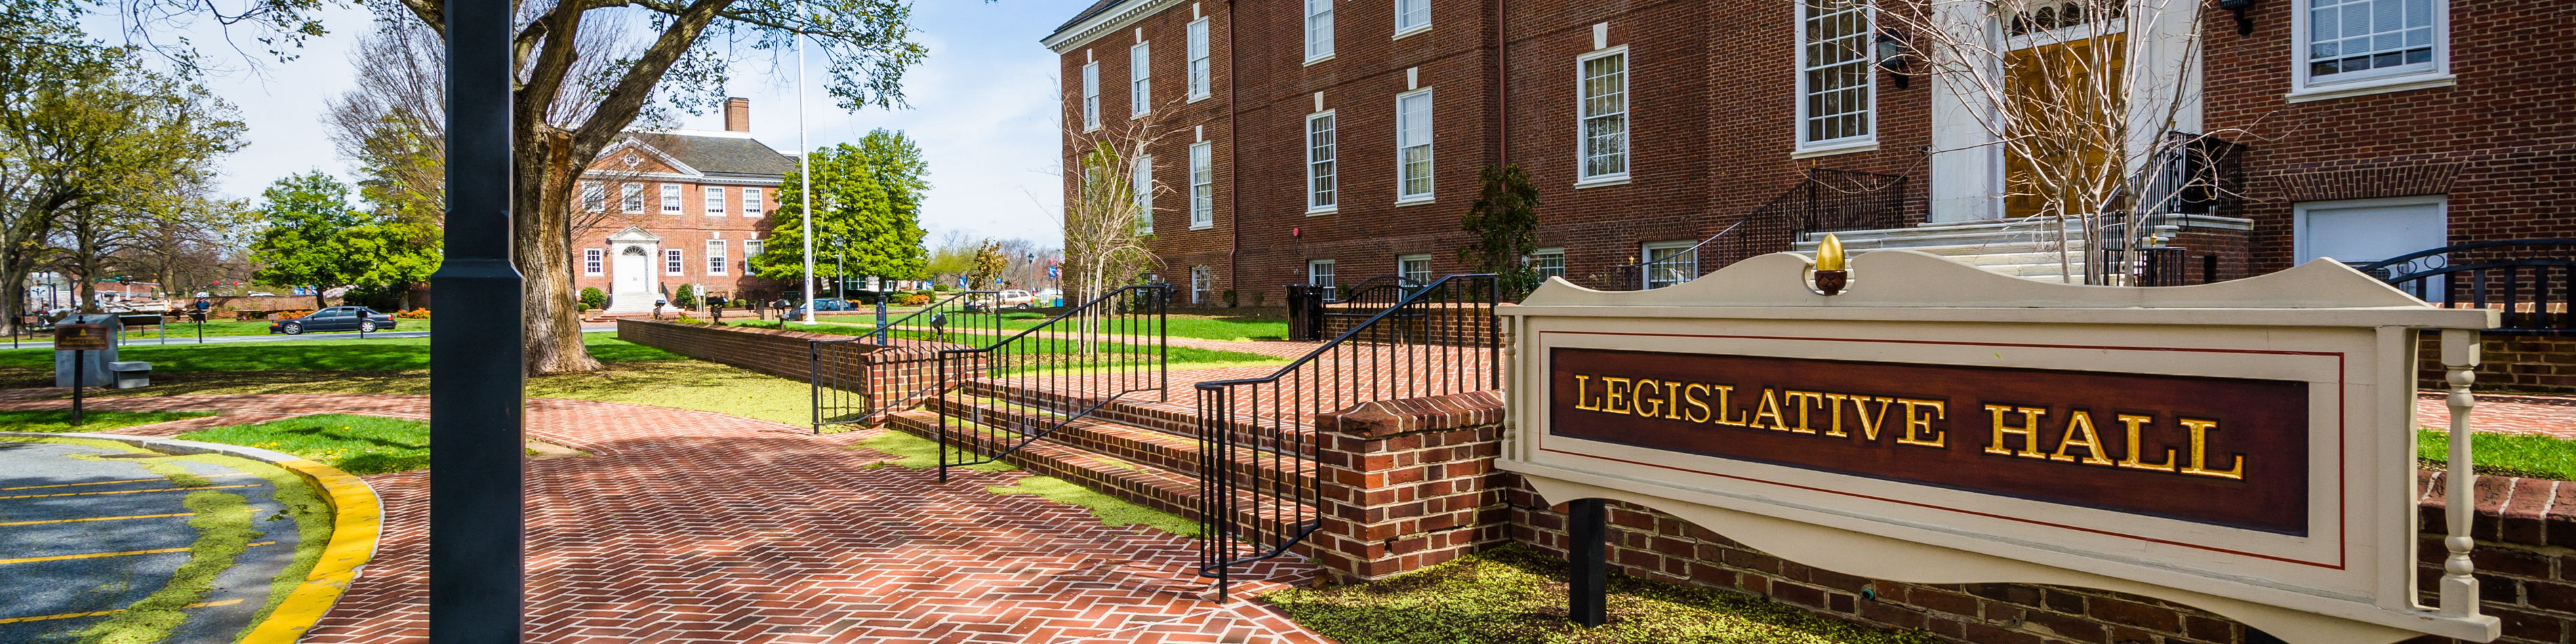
(1829, 254)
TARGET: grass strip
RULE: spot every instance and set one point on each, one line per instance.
(352, 443)
(2523, 455)
(223, 526)
(922, 453)
(392, 354)
(60, 420)
(1516, 595)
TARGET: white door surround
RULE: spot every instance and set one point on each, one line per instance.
(634, 279)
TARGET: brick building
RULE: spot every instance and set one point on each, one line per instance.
(2369, 128)
(661, 209)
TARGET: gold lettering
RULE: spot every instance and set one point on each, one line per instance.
(2029, 430)
(1672, 400)
(2131, 460)
(1580, 382)
(1869, 424)
(2080, 422)
(1835, 403)
(1617, 400)
(2200, 430)
(1770, 409)
(1725, 407)
(1646, 404)
(1915, 424)
(1702, 415)
(1812, 399)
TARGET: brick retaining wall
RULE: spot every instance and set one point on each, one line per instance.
(903, 371)
(1411, 483)
(2535, 363)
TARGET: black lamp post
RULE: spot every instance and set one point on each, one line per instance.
(475, 357)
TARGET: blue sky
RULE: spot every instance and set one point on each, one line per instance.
(983, 109)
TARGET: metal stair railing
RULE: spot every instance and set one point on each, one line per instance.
(2531, 282)
(1075, 363)
(849, 386)
(1440, 339)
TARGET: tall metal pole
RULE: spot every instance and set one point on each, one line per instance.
(805, 184)
(476, 359)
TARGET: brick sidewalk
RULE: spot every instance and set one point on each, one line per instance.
(695, 526)
(2501, 414)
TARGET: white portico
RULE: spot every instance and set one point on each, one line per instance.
(633, 280)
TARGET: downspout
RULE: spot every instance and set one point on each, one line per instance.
(1234, 167)
(1502, 90)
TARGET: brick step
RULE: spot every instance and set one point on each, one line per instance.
(1152, 487)
(1158, 449)
(1178, 416)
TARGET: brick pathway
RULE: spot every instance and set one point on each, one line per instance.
(695, 526)
(2548, 415)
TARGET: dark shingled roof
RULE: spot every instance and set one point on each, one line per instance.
(1094, 10)
(722, 156)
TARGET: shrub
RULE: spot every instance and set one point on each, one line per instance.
(687, 298)
(1229, 298)
(1258, 296)
(938, 287)
(284, 315)
(592, 298)
(417, 314)
(685, 319)
(915, 299)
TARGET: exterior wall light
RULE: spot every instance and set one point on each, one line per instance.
(1893, 56)
(2244, 25)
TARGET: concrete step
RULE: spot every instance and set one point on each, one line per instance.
(1140, 446)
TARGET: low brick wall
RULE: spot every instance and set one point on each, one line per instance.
(780, 353)
(895, 377)
(1411, 483)
(2535, 363)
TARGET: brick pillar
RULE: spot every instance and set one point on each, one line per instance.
(1408, 483)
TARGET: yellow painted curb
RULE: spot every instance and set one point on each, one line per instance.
(358, 519)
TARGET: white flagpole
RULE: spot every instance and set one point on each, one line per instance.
(805, 185)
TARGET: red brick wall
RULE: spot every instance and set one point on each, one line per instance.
(780, 353)
(1411, 483)
(2507, 362)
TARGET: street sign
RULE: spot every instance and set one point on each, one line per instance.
(80, 337)
(1054, 272)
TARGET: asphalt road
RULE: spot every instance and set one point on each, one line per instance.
(82, 539)
(177, 340)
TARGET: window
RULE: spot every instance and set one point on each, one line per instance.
(633, 198)
(1091, 96)
(592, 261)
(1319, 162)
(751, 204)
(1144, 185)
(1319, 30)
(1603, 88)
(1140, 79)
(1415, 269)
(715, 201)
(1202, 281)
(1319, 272)
(1202, 186)
(1413, 146)
(1412, 16)
(672, 264)
(715, 257)
(750, 249)
(2392, 41)
(593, 197)
(670, 198)
(1548, 262)
(1671, 262)
(1199, 59)
(1834, 102)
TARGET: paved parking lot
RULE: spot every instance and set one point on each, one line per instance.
(85, 532)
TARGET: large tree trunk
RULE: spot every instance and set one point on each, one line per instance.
(541, 215)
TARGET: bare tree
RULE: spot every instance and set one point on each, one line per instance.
(1106, 224)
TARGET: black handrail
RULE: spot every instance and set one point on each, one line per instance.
(1256, 501)
(2495, 279)
(846, 386)
(1640, 269)
(1130, 320)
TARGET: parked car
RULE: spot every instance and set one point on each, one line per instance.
(337, 318)
(822, 304)
(1016, 299)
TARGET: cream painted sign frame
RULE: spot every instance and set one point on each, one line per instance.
(2349, 579)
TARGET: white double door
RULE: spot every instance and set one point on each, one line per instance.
(632, 280)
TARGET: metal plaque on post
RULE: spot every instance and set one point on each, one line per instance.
(2244, 447)
(80, 337)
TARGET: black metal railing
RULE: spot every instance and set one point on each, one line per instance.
(1827, 200)
(2530, 282)
(1257, 491)
(1315, 312)
(1067, 366)
(857, 380)
(1722, 248)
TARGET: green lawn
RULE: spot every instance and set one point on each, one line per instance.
(1036, 355)
(1516, 595)
(2523, 455)
(356, 444)
(95, 421)
(334, 355)
(1204, 327)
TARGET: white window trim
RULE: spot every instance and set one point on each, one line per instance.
(1646, 259)
(1306, 23)
(1307, 136)
(1090, 96)
(594, 196)
(717, 259)
(1402, 199)
(1202, 218)
(1558, 251)
(1798, 44)
(1627, 69)
(1310, 271)
(714, 200)
(675, 198)
(1425, 258)
(630, 197)
(2304, 89)
(753, 198)
(2299, 217)
(1141, 182)
(594, 262)
(1140, 79)
(1197, 51)
(668, 265)
(1400, 30)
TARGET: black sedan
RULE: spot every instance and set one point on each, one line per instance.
(337, 318)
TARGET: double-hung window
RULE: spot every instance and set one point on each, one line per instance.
(1319, 272)
(2351, 46)
(592, 260)
(750, 248)
(1602, 89)
(632, 199)
(1415, 269)
(715, 201)
(593, 197)
(1199, 59)
(1835, 108)
(1202, 185)
(1319, 163)
(1091, 96)
(1319, 30)
(751, 205)
(1413, 146)
(1140, 79)
(1411, 16)
(1671, 262)
(715, 257)
(1202, 283)
(1144, 185)
(672, 263)
(1548, 262)
(670, 198)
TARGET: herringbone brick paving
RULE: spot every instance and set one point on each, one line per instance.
(701, 527)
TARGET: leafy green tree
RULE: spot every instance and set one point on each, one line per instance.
(315, 238)
(1504, 221)
(592, 298)
(867, 203)
(686, 298)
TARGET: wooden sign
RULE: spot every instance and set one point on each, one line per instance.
(80, 337)
(2244, 447)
